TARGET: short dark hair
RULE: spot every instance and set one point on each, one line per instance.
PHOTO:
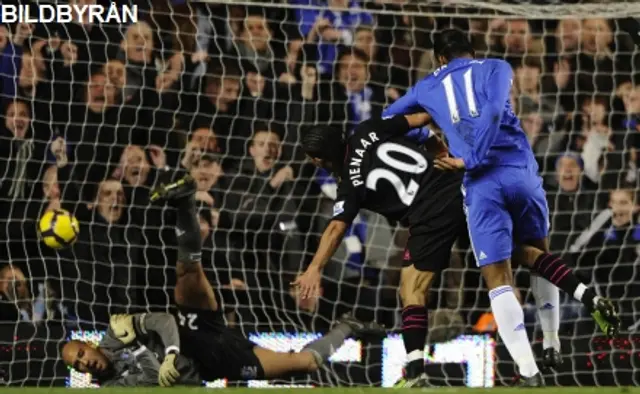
(224, 70)
(352, 51)
(324, 142)
(364, 28)
(452, 43)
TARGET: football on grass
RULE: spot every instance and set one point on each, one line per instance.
(58, 228)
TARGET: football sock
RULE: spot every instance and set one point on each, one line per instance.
(324, 347)
(556, 271)
(414, 336)
(510, 320)
(188, 231)
(548, 305)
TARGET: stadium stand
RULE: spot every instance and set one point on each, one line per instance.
(91, 115)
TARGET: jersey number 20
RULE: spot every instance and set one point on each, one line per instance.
(406, 193)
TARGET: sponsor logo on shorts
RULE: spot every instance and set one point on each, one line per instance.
(338, 208)
(407, 255)
(482, 256)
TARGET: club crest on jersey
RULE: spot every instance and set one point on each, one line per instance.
(338, 208)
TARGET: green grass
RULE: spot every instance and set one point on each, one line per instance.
(337, 390)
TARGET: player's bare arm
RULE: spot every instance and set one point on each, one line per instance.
(419, 119)
(309, 283)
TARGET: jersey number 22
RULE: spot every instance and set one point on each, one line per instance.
(406, 193)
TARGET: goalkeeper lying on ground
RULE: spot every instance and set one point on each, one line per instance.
(156, 348)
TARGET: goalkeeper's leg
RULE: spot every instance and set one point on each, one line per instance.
(316, 353)
(192, 290)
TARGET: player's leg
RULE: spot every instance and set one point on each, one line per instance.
(428, 252)
(192, 290)
(414, 288)
(559, 273)
(490, 233)
(547, 298)
(531, 218)
(316, 353)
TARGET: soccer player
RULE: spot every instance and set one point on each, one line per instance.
(503, 196)
(156, 348)
(395, 177)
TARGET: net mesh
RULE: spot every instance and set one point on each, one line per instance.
(93, 114)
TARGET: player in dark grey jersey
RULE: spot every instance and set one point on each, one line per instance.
(156, 348)
(380, 170)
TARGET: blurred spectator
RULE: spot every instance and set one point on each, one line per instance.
(263, 187)
(512, 39)
(597, 66)
(351, 99)
(94, 132)
(255, 46)
(94, 42)
(17, 302)
(527, 83)
(567, 37)
(571, 202)
(14, 295)
(216, 108)
(106, 253)
(600, 163)
(380, 72)
(22, 151)
(607, 252)
(330, 26)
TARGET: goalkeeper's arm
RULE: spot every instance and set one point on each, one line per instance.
(127, 327)
(162, 324)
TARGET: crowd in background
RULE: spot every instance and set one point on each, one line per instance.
(93, 115)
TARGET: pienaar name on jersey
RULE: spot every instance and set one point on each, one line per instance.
(354, 165)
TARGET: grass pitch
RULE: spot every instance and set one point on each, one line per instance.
(336, 390)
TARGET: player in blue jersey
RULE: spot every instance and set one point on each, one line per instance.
(505, 204)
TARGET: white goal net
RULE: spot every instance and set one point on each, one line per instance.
(92, 113)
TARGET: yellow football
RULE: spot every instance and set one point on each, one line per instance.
(58, 228)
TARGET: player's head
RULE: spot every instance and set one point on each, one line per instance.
(450, 44)
(86, 358)
(325, 146)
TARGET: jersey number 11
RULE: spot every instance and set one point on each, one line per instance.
(405, 193)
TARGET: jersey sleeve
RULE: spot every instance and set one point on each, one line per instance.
(110, 342)
(162, 324)
(140, 379)
(385, 127)
(347, 204)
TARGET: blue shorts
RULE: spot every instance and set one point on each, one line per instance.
(504, 206)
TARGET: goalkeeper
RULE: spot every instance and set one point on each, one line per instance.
(155, 348)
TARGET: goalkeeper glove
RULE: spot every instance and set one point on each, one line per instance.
(122, 328)
(168, 374)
